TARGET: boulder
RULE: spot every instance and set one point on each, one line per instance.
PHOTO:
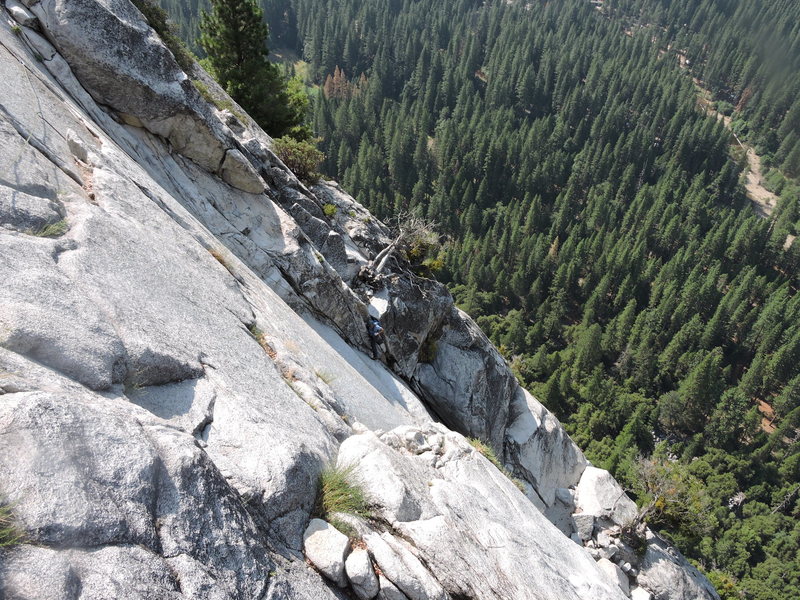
(358, 567)
(600, 495)
(384, 473)
(416, 309)
(466, 382)
(389, 590)
(139, 78)
(326, 547)
(539, 449)
(463, 525)
(402, 568)
(669, 576)
(584, 525)
(638, 593)
(615, 574)
(237, 171)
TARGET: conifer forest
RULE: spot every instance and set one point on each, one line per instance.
(586, 162)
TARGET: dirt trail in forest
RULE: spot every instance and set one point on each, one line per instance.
(767, 416)
(764, 201)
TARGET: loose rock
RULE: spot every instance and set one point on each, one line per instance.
(359, 571)
(326, 547)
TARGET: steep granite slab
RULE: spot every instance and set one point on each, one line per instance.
(171, 262)
(138, 76)
(476, 533)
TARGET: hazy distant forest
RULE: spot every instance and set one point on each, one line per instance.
(596, 224)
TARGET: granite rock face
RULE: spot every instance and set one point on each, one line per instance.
(183, 349)
(601, 496)
(666, 574)
(458, 523)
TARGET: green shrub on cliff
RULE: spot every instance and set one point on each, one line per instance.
(302, 158)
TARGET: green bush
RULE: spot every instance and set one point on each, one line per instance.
(726, 108)
(338, 493)
(329, 210)
(303, 158)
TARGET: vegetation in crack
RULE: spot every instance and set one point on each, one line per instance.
(52, 230)
(260, 337)
(219, 103)
(158, 20)
(340, 493)
(303, 158)
(486, 450)
(11, 534)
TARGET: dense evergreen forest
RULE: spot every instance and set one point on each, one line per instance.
(597, 228)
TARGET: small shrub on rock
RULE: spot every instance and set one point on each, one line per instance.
(302, 158)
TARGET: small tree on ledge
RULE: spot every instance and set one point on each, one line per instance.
(234, 35)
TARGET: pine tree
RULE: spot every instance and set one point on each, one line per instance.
(234, 35)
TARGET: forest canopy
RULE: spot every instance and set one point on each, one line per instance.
(600, 233)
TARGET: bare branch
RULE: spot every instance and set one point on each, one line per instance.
(413, 233)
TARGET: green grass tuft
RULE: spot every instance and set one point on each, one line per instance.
(221, 104)
(338, 493)
(261, 338)
(487, 452)
(10, 533)
(53, 229)
(328, 378)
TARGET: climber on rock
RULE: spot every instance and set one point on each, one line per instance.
(375, 335)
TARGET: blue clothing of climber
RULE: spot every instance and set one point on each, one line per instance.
(375, 335)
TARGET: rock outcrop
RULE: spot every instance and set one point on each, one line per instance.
(183, 350)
